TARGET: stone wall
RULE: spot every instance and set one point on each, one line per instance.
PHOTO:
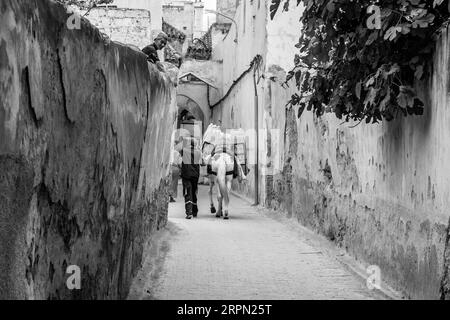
(154, 6)
(128, 26)
(379, 191)
(85, 129)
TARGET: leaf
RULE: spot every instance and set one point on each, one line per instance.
(437, 3)
(419, 72)
(415, 2)
(289, 76)
(331, 7)
(386, 100)
(298, 76)
(406, 97)
(355, 72)
(370, 97)
(373, 37)
(370, 82)
(358, 90)
(394, 69)
(415, 59)
(406, 28)
(275, 5)
(286, 6)
(392, 32)
(301, 109)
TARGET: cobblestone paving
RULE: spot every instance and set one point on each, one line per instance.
(250, 256)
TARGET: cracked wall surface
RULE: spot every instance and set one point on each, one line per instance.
(128, 26)
(379, 191)
(85, 131)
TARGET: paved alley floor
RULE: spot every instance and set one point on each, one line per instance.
(250, 256)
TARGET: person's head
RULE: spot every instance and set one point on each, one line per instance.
(161, 40)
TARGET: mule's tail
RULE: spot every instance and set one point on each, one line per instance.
(222, 180)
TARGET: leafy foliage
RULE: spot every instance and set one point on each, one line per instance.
(347, 66)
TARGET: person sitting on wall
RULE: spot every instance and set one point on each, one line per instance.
(152, 50)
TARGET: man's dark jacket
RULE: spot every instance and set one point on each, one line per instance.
(190, 167)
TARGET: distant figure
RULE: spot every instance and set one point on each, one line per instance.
(152, 50)
(190, 173)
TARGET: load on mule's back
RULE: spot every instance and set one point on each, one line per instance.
(223, 166)
(215, 142)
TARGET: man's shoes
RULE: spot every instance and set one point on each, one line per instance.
(194, 215)
(189, 217)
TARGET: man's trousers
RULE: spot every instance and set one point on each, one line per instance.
(190, 188)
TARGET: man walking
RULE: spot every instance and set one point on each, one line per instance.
(190, 174)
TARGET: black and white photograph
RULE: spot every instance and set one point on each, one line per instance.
(224, 155)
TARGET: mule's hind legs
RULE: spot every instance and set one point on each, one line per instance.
(227, 198)
(211, 201)
(219, 211)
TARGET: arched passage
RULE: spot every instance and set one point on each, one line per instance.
(187, 107)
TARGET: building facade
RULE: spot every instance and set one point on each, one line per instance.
(131, 22)
(127, 26)
(375, 190)
(227, 7)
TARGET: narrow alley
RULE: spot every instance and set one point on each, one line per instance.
(332, 117)
(251, 256)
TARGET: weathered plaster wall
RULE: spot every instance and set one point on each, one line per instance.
(282, 33)
(272, 39)
(217, 33)
(379, 191)
(128, 26)
(199, 29)
(238, 110)
(154, 6)
(85, 128)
